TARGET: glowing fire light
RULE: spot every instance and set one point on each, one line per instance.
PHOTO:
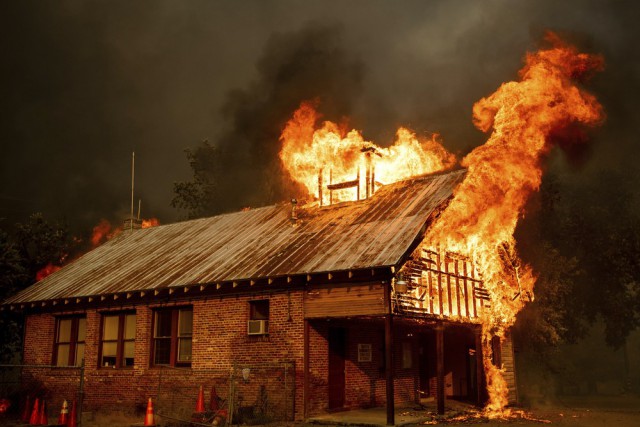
(152, 222)
(503, 173)
(480, 220)
(329, 154)
(47, 270)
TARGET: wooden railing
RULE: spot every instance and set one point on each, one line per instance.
(440, 284)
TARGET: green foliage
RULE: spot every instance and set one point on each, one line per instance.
(35, 244)
(40, 242)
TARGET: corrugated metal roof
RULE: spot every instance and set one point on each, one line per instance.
(258, 243)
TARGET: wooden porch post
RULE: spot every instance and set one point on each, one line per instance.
(479, 367)
(388, 346)
(440, 367)
(305, 389)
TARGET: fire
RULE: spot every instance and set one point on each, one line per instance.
(46, 270)
(152, 222)
(504, 172)
(523, 116)
(320, 156)
(101, 233)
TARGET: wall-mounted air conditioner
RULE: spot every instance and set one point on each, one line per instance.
(258, 327)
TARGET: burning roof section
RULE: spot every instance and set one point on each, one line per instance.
(257, 244)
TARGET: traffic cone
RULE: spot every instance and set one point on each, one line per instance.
(24, 417)
(35, 414)
(63, 419)
(42, 419)
(213, 403)
(148, 419)
(73, 416)
(200, 401)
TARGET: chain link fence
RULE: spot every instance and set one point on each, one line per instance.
(20, 385)
(251, 394)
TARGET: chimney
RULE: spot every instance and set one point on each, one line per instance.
(132, 224)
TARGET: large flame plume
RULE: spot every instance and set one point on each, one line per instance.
(481, 219)
(332, 154)
(502, 174)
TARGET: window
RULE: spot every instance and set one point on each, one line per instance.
(258, 317)
(69, 342)
(118, 340)
(172, 336)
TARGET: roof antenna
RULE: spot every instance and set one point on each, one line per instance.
(133, 168)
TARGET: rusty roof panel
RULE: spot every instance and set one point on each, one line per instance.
(254, 244)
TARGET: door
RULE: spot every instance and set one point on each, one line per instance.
(337, 353)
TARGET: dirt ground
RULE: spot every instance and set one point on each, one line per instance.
(582, 411)
(592, 411)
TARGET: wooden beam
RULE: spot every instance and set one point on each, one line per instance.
(479, 368)
(440, 368)
(388, 349)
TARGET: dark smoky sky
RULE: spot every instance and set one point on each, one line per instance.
(85, 83)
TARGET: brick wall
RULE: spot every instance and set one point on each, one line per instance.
(219, 340)
(365, 381)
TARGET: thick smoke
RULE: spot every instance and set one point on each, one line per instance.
(306, 64)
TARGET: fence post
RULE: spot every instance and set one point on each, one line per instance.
(81, 394)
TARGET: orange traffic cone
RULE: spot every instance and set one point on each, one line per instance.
(73, 416)
(148, 419)
(63, 419)
(200, 401)
(213, 403)
(24, 417)
(42, 419)
(35, 414)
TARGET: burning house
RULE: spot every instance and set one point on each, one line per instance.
(398, 281)
(337, 291)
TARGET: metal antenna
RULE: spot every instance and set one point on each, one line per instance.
(133, 168)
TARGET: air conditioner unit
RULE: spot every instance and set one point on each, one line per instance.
(258, 327)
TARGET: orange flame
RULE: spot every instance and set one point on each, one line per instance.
(502, 174)
(151, 222)
(325, 155)
(46, 270)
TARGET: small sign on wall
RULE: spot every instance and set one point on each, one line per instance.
(364, 352)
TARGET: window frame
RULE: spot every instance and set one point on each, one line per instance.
(254, 314)
(175, 338)
(120, 339)
(73, 342)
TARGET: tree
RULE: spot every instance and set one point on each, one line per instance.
(35, 244)
(199, 196)
(41, 242)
